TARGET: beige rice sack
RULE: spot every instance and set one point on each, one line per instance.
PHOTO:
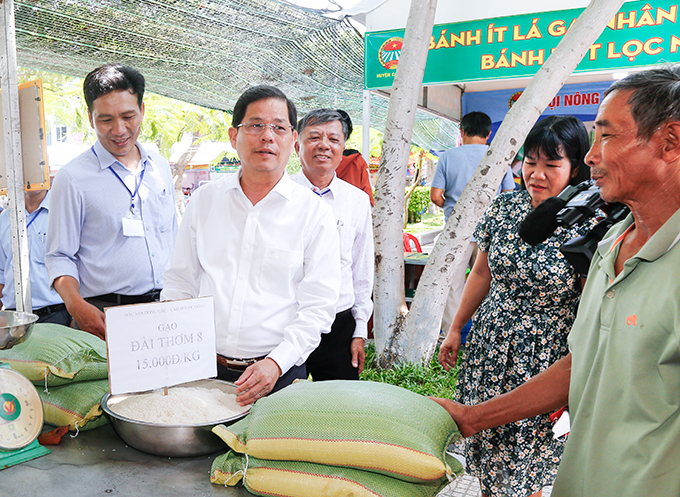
(360, 424)
(76, 405)
(301, 479)
(58, 355)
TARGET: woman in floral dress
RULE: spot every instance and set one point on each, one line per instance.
(526, 297)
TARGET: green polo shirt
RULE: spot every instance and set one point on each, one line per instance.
(624, 397)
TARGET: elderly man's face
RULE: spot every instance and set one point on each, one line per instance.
(621, 163)
(320, 147)
(264, 152)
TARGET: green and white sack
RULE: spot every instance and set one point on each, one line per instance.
(76, 405)
(301, 479)
(57, 355)
(364, 425)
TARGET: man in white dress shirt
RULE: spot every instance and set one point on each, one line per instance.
(265, 248)
(321, 141)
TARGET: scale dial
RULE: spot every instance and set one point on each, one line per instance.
(21, 414)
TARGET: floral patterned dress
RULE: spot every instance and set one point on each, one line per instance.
(518, 331)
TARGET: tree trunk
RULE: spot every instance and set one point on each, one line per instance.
(420, 331)
(178, 173)
(390, 306)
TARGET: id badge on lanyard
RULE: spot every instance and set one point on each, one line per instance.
(132, 225)
(132, 220)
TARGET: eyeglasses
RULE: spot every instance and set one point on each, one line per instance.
(258, 128)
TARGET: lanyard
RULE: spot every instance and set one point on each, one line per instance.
(37, 211)
(137, 184)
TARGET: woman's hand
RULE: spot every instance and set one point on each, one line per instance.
(448, 352)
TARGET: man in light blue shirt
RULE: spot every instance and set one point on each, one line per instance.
(46, 303)
(454, 170)
(112, 226)
(457, 165)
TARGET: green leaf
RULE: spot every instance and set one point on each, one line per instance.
(430, 379)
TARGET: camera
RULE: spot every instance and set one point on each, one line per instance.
(573, 206)
(583, 201)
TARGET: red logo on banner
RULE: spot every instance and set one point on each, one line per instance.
(389, 53)
(514, 98)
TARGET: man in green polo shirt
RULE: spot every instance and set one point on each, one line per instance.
(622, 378)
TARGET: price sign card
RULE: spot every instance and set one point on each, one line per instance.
(160, 344)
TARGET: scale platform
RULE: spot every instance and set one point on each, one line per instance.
(17, 456)
(21, 413)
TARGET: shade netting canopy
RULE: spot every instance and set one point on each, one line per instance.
(207, 52)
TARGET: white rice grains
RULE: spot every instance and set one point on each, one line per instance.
(182, 406)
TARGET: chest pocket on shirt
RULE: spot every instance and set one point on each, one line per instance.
(166, 210)
(36, 250)
(279, 267)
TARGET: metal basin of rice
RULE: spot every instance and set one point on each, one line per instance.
(171, 440)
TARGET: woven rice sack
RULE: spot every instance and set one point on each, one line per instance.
(301, 479)
(59, 354)
(76, 405)
(365, 425)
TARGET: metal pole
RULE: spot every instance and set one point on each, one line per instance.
(366, 136)
(13, 156)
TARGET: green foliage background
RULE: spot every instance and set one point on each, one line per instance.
(430, 379)
(418, 203)
(165, 120)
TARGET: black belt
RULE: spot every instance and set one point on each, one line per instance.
(116, 298)
(44, 311)
(237, 364)
(343, 313)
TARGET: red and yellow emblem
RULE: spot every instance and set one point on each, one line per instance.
(9, 407)
(514, 98)
(389, 53)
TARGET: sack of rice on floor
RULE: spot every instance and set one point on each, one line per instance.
(365, 425)
(76, 405)
(57, 355)
(302, 479)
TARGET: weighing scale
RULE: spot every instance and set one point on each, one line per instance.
(21, 413)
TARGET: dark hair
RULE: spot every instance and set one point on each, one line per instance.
(347, 121)
(476, 124)
(112, 77)
(655, 98)
(257, 93)
(322, 116)
(555, 134)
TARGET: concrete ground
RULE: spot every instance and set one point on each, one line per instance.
(467, 486)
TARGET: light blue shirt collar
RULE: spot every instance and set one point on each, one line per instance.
(45, 204)
(106, 158)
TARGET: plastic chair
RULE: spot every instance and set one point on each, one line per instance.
(411, 243)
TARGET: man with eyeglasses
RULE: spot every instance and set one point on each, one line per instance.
(265, 248)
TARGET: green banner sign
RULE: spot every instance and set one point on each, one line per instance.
(641, 34)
